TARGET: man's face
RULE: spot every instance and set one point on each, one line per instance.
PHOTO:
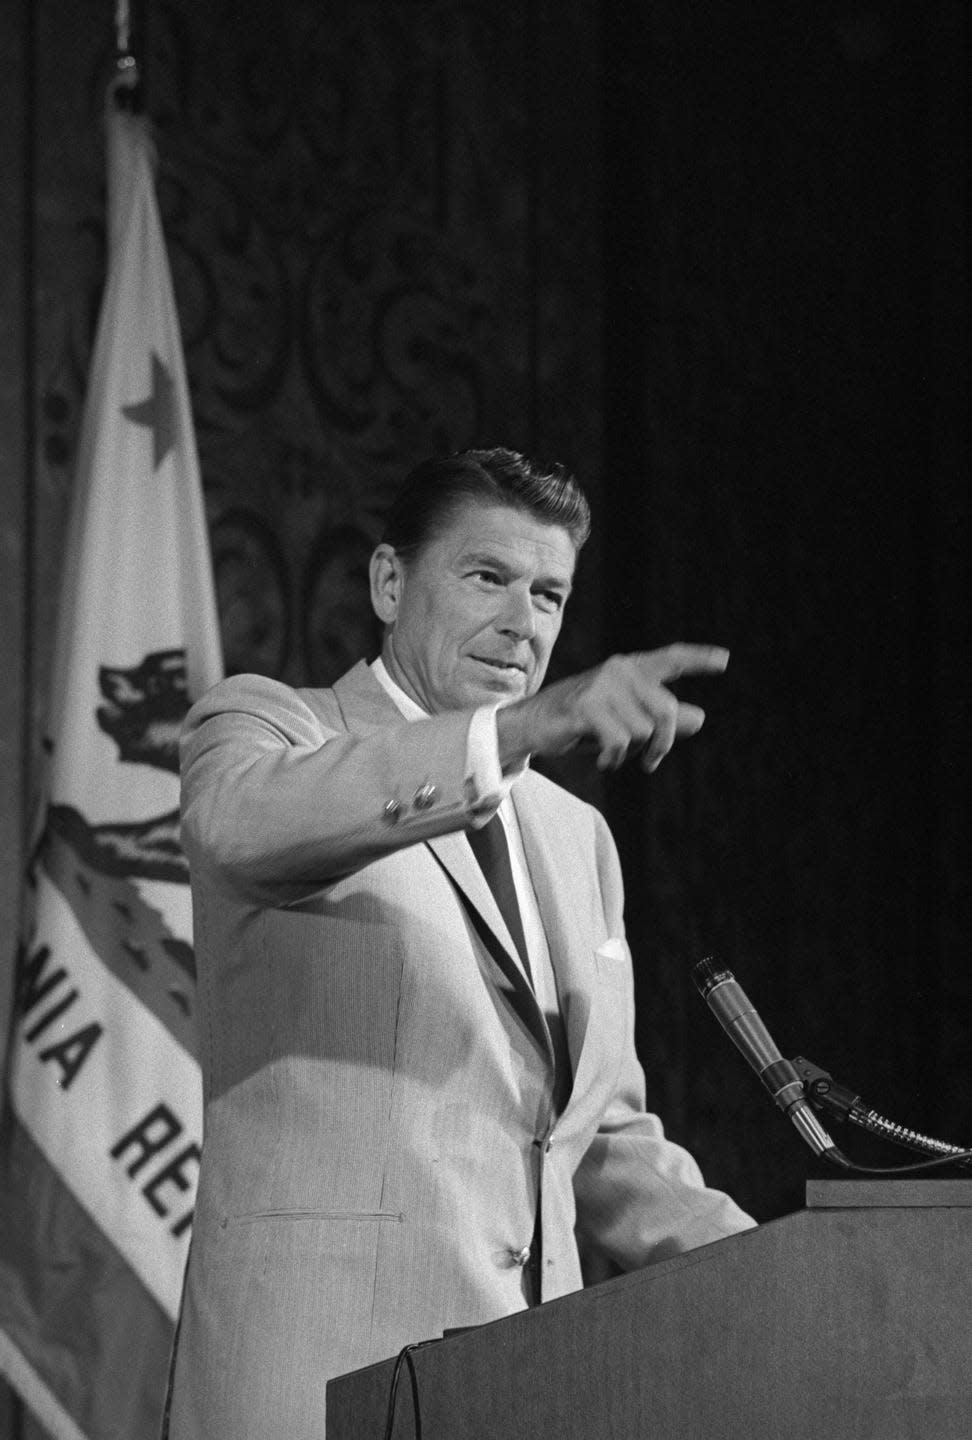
(472, 618)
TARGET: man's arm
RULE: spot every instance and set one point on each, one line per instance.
(640, 1197)
(278, 804)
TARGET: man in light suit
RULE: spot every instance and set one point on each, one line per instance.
(423, 1108)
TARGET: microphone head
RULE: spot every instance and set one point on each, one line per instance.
(709, 973)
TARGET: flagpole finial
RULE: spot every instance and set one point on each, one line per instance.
(126, 84)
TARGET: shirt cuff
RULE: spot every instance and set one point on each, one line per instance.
(486, 785)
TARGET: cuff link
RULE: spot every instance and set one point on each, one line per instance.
(520, 1257)
(424, 796)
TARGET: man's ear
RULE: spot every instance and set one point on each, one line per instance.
(387, 574)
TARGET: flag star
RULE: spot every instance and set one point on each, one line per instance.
(157, 412)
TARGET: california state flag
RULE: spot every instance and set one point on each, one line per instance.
(102, 1125)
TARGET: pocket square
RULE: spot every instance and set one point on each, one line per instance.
(612, 954)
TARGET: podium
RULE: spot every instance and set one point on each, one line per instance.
(849, 1320)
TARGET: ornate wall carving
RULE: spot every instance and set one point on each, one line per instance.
(348, 223)
(354, 242)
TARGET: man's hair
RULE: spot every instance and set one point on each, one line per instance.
(431, 494)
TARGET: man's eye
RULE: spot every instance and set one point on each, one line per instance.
(550, 599)
(490, 576)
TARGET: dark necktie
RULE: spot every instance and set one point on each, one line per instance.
(490, 848)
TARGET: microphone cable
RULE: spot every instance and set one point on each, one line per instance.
(960, 1156)
(825, 1094)
(404, 1360)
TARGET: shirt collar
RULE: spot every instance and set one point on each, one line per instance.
(409, 707)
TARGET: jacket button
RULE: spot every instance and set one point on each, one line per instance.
(391, 811)
(520, 1257)
(424, 796)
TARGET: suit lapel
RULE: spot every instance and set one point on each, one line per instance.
(458, 861)
(460, 864)
(551, 877)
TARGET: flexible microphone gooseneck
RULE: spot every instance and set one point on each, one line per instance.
(727, 1000)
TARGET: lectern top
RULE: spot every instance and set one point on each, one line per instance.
(887, 1194)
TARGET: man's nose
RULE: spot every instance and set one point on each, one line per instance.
(518, 616)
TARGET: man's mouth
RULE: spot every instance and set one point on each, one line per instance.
(502, 667)
(498, 664)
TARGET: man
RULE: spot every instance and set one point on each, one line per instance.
(423, 1104)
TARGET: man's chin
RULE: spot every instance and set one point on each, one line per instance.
(493, 685)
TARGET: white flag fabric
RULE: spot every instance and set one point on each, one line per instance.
(102, 1130)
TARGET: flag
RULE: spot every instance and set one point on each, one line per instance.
(101, 1132)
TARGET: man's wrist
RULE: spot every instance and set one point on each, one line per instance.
(514, 738)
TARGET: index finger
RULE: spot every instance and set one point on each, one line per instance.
(682, 659)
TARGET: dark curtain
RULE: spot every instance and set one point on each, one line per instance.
(786, 473)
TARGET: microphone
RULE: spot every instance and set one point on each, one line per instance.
(727, 1000)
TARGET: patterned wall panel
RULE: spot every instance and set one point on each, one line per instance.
(349, 216)
(357, 209)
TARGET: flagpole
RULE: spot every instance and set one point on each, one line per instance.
(123, 31)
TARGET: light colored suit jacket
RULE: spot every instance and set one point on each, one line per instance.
(378, 1078)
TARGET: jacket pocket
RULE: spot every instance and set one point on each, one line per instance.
(394, 1217)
